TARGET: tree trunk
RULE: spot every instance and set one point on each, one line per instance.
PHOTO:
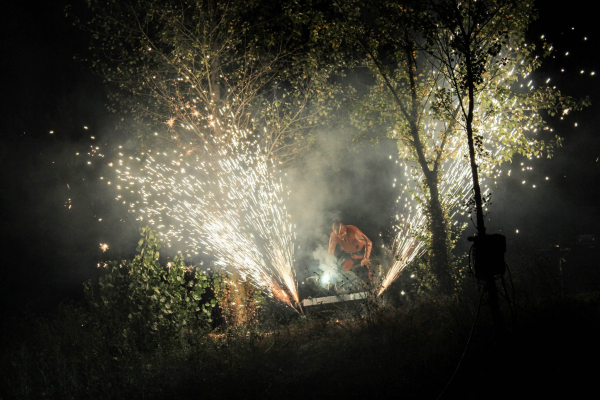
(437, 222)
(474, 171)
(490, 280)
(439, 235)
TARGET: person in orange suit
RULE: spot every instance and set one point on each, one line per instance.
(356, 245)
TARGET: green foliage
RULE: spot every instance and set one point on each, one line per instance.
(425, 282)
(179, 67)
(480, 49)
(140, 303)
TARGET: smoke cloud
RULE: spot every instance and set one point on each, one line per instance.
(344, 180)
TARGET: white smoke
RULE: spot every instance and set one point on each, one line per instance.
(326, 265)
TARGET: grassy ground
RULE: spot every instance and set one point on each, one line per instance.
(387, 348)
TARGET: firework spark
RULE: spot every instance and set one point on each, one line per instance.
(411, 222)
(228, 204)
(508, 117)
(455, 188)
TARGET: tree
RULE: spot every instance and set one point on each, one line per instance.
(181, 67)
(480, 48)
(400, 103)
(420, 95)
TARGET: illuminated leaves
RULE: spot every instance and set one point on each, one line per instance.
(140, 300)
(187, 61)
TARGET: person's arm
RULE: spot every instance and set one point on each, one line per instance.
(332, 244)
(361, 237)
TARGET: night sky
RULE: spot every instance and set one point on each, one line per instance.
(48, 250)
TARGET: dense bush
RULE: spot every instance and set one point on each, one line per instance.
(139, 303)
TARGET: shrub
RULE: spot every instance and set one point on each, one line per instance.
(240, 302)
(141, 304)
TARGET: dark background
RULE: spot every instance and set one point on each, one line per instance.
(47, 250)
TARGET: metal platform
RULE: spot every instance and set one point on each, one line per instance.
(334, 299)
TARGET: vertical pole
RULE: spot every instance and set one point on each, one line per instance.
(489, 278)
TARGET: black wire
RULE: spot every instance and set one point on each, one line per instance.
(510, 302)
(470, 260)
(512, 285)
(466, 347)
(515, 304)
